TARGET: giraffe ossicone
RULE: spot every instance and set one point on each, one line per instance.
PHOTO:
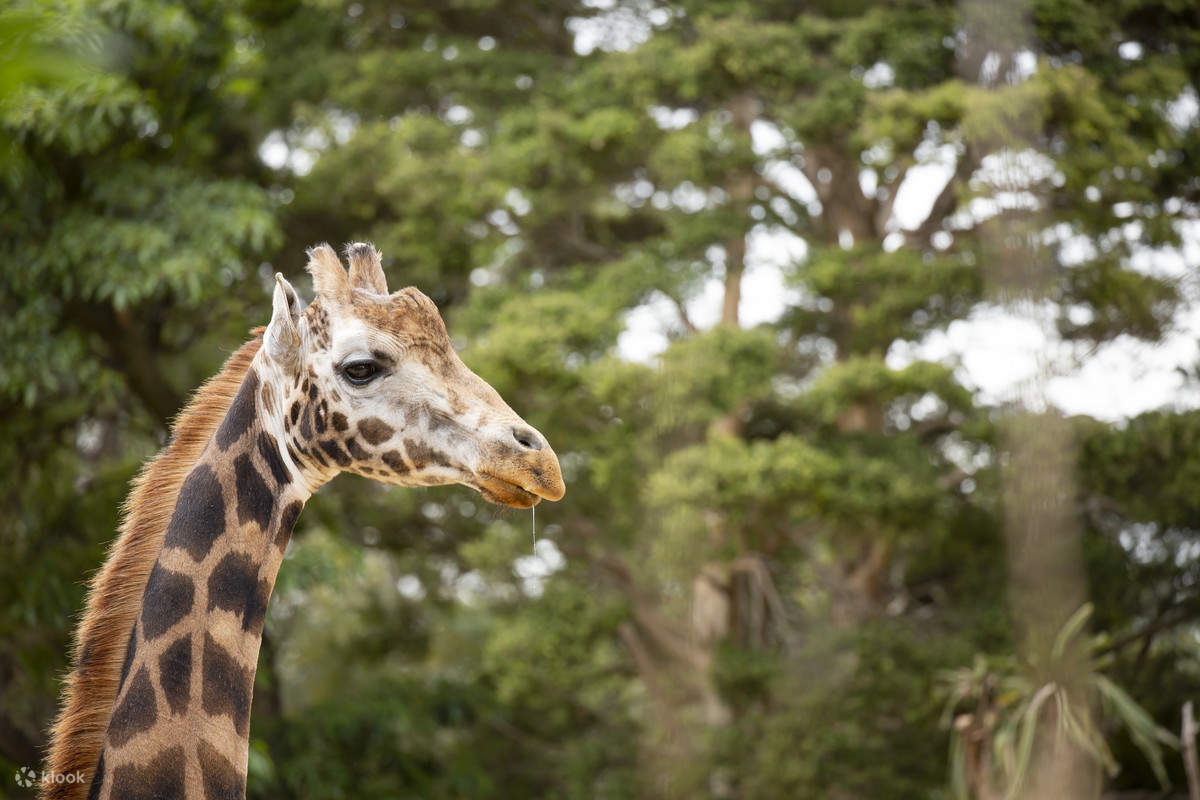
(360, 380)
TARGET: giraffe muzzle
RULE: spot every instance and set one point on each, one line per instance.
(522, 471)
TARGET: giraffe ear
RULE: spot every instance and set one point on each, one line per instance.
(282, 338)
(329, 276)
(366, 268)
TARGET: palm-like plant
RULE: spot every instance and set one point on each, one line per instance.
(1000, 708)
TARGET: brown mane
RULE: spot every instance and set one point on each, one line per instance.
(115, 592)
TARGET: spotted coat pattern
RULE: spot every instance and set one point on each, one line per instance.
(189, 666)
(179, 726)
(321, 435)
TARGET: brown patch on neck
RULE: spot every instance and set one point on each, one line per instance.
(115, 593)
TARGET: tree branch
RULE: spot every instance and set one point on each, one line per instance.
(1163, 622)
(131, 354)
(929, 429)
(947, 199)
(683, 314)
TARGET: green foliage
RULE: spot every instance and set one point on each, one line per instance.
(878, 297)
(774, 538)
(1147, 467)
(1009, 702)
(842, 718)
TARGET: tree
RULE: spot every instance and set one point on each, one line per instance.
(1012, 713)
(775, 537)
(131, 202)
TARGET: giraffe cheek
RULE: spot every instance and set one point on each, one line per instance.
(395, 462)
(375, 431)
(335, 452)
(357, 451)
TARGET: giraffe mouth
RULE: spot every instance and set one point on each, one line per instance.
(505, 493)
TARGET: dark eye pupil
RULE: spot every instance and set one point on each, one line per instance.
(360, 372)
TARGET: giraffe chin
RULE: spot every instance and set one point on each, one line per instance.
(503, 493)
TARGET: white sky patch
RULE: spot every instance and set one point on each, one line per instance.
(1009, 169)
(879, 76)
(1026, 64)
(765, 137)
(646, 329)
(794, 183)
(1184, 111)
(458, 115)
(469, 587)
(672, 119)
(298, 151)
(533, 570)
(1000, 354)
(765, 296)
(615, 28)
(517, 202)
(1128, 377)
(277, 154)
(868, 181)
(997, 353)
(920, 188)
(410, 587)
(1130, 51)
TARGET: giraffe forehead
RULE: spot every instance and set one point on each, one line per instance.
(413, 338)
(406, 333)
(408, 312)
(348, 335)
(408, 317)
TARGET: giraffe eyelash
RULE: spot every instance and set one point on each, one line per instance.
(360, 373)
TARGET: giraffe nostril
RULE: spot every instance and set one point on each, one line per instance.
(527, 438)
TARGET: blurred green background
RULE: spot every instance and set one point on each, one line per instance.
(781, 568)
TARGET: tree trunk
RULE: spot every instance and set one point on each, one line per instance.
(129, 351)
(735, 265)
(740, 185)
(1187, 743)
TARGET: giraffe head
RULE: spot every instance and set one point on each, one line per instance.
(368, 382)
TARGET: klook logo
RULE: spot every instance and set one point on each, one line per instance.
(27, 777)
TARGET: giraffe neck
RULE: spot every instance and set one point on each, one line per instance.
(181, 723)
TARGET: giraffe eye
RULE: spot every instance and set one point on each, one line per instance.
(360, 372)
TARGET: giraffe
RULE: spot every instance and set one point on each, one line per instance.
(360, 381)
